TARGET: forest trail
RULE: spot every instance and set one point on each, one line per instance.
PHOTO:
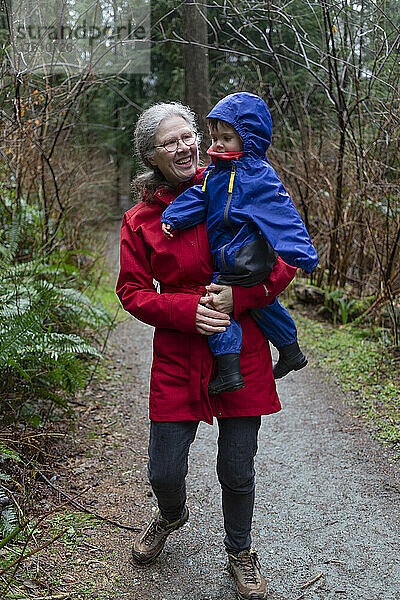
(327, 498)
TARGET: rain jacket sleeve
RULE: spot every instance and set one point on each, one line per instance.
(264, 293)
(138, 295)
(275, 215)
(187, 210)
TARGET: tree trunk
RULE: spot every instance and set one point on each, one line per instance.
(334, 255)
(195, 55)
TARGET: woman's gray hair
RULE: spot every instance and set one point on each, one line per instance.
(144, 138)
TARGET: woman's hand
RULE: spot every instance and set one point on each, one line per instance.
(208, 320)
(220, 297)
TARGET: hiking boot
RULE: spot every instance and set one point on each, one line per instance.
(291, 358)
(245, 568)
(229, 378)
(150, 541)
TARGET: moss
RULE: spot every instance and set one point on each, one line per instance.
(360, 306)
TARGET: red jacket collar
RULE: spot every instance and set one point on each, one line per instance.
(223, 155)
(166, 194)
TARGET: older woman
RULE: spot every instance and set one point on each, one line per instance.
(184, 312)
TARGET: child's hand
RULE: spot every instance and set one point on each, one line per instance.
(167, 230)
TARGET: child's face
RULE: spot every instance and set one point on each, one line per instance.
(225, 139)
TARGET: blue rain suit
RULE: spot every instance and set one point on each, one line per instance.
(247, 211)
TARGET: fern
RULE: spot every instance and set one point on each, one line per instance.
(9, 249)
(6, 453)
(47, 324)
(8, 520)
(8, 513)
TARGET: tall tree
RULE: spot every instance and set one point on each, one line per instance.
(195, 55)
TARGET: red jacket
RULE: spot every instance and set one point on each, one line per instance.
(182, 361)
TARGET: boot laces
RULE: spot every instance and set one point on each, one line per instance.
(156, 528)
(250, 567)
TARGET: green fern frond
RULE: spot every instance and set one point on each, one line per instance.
(13, 234)
(8, 520)
(55, 344)
(6, 453)
(77, 304)
(47, 325)
(28, 343)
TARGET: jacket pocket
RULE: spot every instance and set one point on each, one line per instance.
(247, 265)
(255, 257)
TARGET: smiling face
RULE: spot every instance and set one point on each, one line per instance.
(180, 165)
(224, 138)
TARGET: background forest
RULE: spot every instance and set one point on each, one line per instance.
(329, 72)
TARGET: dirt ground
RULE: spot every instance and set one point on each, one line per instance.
(327, 499)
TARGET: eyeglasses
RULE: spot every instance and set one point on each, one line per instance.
(172, 145)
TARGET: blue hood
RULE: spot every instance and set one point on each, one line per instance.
(245, 199)
(250, 116)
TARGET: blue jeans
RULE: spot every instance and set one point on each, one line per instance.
(237, 446)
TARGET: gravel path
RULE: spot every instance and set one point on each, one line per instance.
(326, 503)
(327, 497)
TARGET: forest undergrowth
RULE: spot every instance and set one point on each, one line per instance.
(53, 330)
(360, 362)
(355, 352)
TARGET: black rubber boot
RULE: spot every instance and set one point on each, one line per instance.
(291, 358)
(229, 378)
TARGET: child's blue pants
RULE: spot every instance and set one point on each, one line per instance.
(274, 321)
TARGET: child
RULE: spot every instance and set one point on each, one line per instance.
(247, 211)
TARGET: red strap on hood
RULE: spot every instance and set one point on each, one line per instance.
(223, 155)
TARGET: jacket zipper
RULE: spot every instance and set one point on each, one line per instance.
(230, 190)
(223, 262)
